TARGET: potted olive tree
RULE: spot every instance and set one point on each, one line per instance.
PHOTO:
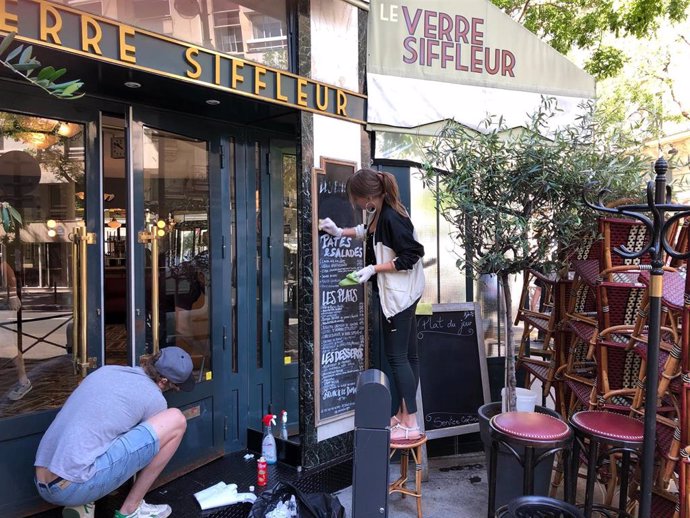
(514, 197)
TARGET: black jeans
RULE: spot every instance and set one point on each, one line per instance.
(400, 344)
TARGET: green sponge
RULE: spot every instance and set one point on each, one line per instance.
(349, 280)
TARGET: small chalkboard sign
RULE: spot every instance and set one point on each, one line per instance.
(339, 312)
(452, 369)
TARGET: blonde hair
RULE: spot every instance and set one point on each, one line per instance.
(367, 182)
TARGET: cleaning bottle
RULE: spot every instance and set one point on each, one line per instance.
(268, 445)
(283, 425)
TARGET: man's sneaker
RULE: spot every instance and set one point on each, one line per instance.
(147, 511)
(19, 391)
(80, 511)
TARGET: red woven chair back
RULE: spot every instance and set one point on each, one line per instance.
(622, 232)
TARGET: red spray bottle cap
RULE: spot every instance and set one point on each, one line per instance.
(269, 419)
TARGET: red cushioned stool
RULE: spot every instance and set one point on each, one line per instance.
(622, 434)
(529, 430)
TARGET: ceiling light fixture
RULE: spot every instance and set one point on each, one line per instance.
(132, 84)
(114, 223)
(212, 102)
(68, 129)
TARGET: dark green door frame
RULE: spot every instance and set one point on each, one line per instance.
(211, 397)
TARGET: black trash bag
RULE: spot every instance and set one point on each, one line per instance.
(310, 505)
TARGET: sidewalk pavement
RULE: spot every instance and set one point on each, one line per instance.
(457, 487)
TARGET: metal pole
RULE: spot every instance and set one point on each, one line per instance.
(653, 215)
(651, 384)
(652, 381)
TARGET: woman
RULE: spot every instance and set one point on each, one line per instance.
(393, 258)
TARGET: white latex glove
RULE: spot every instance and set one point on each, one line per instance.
(365, 273)
(14, 303)
(328, 226)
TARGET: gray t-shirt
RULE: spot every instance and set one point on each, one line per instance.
(108, 403)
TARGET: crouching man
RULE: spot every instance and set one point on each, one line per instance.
(115, 424)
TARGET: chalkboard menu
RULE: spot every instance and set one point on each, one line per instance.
(452, 369)
(339, 312)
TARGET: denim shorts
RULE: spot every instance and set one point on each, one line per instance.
(129, 453)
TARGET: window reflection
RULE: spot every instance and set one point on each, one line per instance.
(290, 264)
(250, 29)
(176, 198)
(41, 180)
(445, 283)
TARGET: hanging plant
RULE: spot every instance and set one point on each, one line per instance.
(21, 61)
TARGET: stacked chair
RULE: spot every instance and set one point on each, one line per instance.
(591, 356)
(538, 312)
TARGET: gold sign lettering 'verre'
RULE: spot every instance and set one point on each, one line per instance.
(45, 23)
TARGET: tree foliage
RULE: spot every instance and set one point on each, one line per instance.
(582, 24)
(515, 197)
(520, 193)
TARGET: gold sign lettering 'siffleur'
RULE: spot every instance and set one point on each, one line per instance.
(51, 24)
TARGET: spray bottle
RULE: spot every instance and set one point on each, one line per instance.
(268, 445)
(283, 425)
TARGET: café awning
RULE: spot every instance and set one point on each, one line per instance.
(433, 60)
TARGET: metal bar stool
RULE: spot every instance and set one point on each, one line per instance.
(623, 434)
(541, 506)
(529, 430)
(405, 447)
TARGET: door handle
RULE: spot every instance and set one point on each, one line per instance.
(152, 236)
(80, 239)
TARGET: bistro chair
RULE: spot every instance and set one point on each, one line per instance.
(538, 314)
(529, 431)
(619, 434)
(538, 506)
(407, 447)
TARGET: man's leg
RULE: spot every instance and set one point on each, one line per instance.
(169, 426)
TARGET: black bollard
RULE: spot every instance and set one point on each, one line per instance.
(372, 442)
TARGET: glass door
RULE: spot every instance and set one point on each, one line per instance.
(44, 256)
(50, 327)
(175, 250)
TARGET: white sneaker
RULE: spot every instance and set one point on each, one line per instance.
(147, 511)
(19, 391)
(80, 511)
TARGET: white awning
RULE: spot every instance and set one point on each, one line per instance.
(433, 60)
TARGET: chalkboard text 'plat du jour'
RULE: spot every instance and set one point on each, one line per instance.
(441, 324)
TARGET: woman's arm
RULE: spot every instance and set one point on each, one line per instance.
(328, 226)
(397, 233)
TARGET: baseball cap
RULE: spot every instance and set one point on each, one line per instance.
(176, 365)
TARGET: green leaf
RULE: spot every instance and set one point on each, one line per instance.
(45, 73)
(59, 86)
(26, 55)
(6, 41)
(6, 219)
(22, 67)
(71, 89)
(57, 74)
(15, 214)
(14, 53)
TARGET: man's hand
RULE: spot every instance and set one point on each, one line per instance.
(14, 303)
(365, 273)
(329, 227)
